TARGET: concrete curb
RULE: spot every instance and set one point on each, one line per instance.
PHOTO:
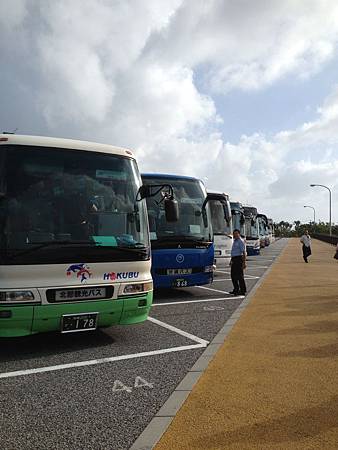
(161, 421)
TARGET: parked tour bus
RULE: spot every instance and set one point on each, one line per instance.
(271, 230)
(238, 219)
(222, 227)
(182, 252)
(74, 239)
(252, 230)
(263, 232)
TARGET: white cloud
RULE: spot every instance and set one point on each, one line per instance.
(123, 71)
(248, 45)
(12, 14)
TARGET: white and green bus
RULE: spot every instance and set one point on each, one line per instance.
(74, 238)
(221, 219)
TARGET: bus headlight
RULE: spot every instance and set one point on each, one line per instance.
(137, 288)
(16, 296)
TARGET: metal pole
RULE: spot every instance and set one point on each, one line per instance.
(330, 213)
(314, 213)
(330, 204)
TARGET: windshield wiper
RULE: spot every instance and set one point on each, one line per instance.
(40, 245)
(181, 238)
(138, 247)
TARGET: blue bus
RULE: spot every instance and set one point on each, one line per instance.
(182, 251)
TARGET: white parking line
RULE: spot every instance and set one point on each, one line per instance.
(260, 259)
(93, 362)
(236, 297)
(178, 331)
(200, 343)
(211, 289)
(258, 267)
(247, 277)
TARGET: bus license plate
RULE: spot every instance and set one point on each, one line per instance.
(179, 271)
(79, 322)
(180, 283)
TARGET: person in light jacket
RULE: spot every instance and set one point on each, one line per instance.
(306, 241)
(238, 264)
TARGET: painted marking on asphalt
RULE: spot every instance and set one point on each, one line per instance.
(211, 289)
(213, 308)
(94, 362)
(138, 383)
(258, 267)
(178, 331)
(199, 343)
(260, 259)
(119, 386)
(141, 382)
(199, 301)
(247, 277)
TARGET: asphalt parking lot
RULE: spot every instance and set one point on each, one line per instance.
(99, 390)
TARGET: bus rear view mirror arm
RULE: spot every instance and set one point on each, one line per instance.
(170, 204)
(151, 190)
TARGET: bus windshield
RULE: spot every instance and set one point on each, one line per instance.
(262, 226)
(190, 195)
(54, 201)
(252, 230)
(219, 224)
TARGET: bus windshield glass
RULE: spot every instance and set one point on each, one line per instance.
(190, 195)
(262, 229)
(236, 221)
(252, 229)
(54, 201)
(219, 224)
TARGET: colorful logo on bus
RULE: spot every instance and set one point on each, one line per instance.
(81, 270)
(120, 275)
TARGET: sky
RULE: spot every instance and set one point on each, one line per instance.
(240, 93)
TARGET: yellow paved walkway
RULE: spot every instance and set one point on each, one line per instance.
(274, 383)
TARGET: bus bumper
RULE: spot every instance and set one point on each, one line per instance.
(253, 251)
(18, 321)
(195, 279)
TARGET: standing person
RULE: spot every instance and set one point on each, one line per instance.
(306, 241)
(336, 254)
(238, 264)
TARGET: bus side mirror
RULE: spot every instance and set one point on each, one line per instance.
(171, 210)
(144, 192)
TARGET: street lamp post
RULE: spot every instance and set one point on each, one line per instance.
(314, 213)
(330, 204)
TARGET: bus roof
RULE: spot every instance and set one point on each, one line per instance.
(263, 216)
(250, 209)
(236, 205)
(219, 192)
(170, 176)
(42, 141)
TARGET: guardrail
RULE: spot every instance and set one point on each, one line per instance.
(326, 238)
